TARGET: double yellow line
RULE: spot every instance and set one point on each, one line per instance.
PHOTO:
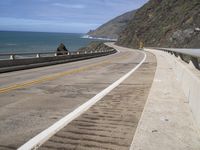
(49, 78)
(56, 76)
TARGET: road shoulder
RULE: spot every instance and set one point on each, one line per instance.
(167, 121)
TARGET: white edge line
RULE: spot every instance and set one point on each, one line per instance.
(42, 137)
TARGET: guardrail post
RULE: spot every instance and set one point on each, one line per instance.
(85, 52)
(195, 62)
(37, 55)
(12, 57)
(55, 54)
(77, 53)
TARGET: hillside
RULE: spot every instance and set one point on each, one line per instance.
(95, 46)
(112, 28)
(164, 23)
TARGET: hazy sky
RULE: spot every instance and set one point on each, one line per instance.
(61, 15)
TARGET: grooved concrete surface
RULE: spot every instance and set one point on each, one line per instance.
(109, 124)
(167, 122)
(27, 110)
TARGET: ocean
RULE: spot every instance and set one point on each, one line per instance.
(31, 42)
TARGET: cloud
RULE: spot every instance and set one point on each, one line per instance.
(62, 15)
(16, 24)
(76, 6)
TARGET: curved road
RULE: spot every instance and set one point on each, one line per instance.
(32, 100)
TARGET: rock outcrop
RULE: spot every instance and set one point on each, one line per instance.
(164, 23)
(62, 50)
(95, 46)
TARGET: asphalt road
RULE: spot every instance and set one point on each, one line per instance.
(32, 100)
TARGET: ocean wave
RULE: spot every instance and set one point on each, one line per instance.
(85, 37)
(95, 38)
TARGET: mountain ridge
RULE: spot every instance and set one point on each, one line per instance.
(112, 28)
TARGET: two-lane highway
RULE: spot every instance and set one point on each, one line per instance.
(32, 100)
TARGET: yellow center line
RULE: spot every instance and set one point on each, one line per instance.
(52, 77)
(48, 78)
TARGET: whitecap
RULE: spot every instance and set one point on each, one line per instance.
(95, 38)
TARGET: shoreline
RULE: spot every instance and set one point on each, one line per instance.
(97, 38)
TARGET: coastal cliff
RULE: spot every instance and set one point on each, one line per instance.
(113, 28)
(164, 23)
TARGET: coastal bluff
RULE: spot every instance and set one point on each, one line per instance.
(112, 28)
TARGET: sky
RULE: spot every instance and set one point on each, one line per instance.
(69, 16)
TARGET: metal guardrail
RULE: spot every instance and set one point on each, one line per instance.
(14, 56)
(21, 61)
(186, 55)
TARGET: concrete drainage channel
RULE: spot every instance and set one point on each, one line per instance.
(34, 62)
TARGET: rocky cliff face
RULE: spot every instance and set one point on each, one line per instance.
(112, 28)
(164, 23)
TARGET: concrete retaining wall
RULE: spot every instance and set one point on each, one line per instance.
(189, 78)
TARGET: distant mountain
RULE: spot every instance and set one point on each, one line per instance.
(112, 28)
(164, 23)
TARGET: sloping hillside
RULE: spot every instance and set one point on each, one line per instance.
(164, 23)
(95, 46)
(112, 28)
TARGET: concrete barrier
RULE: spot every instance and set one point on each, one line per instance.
(29, 63)
(189, 78)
